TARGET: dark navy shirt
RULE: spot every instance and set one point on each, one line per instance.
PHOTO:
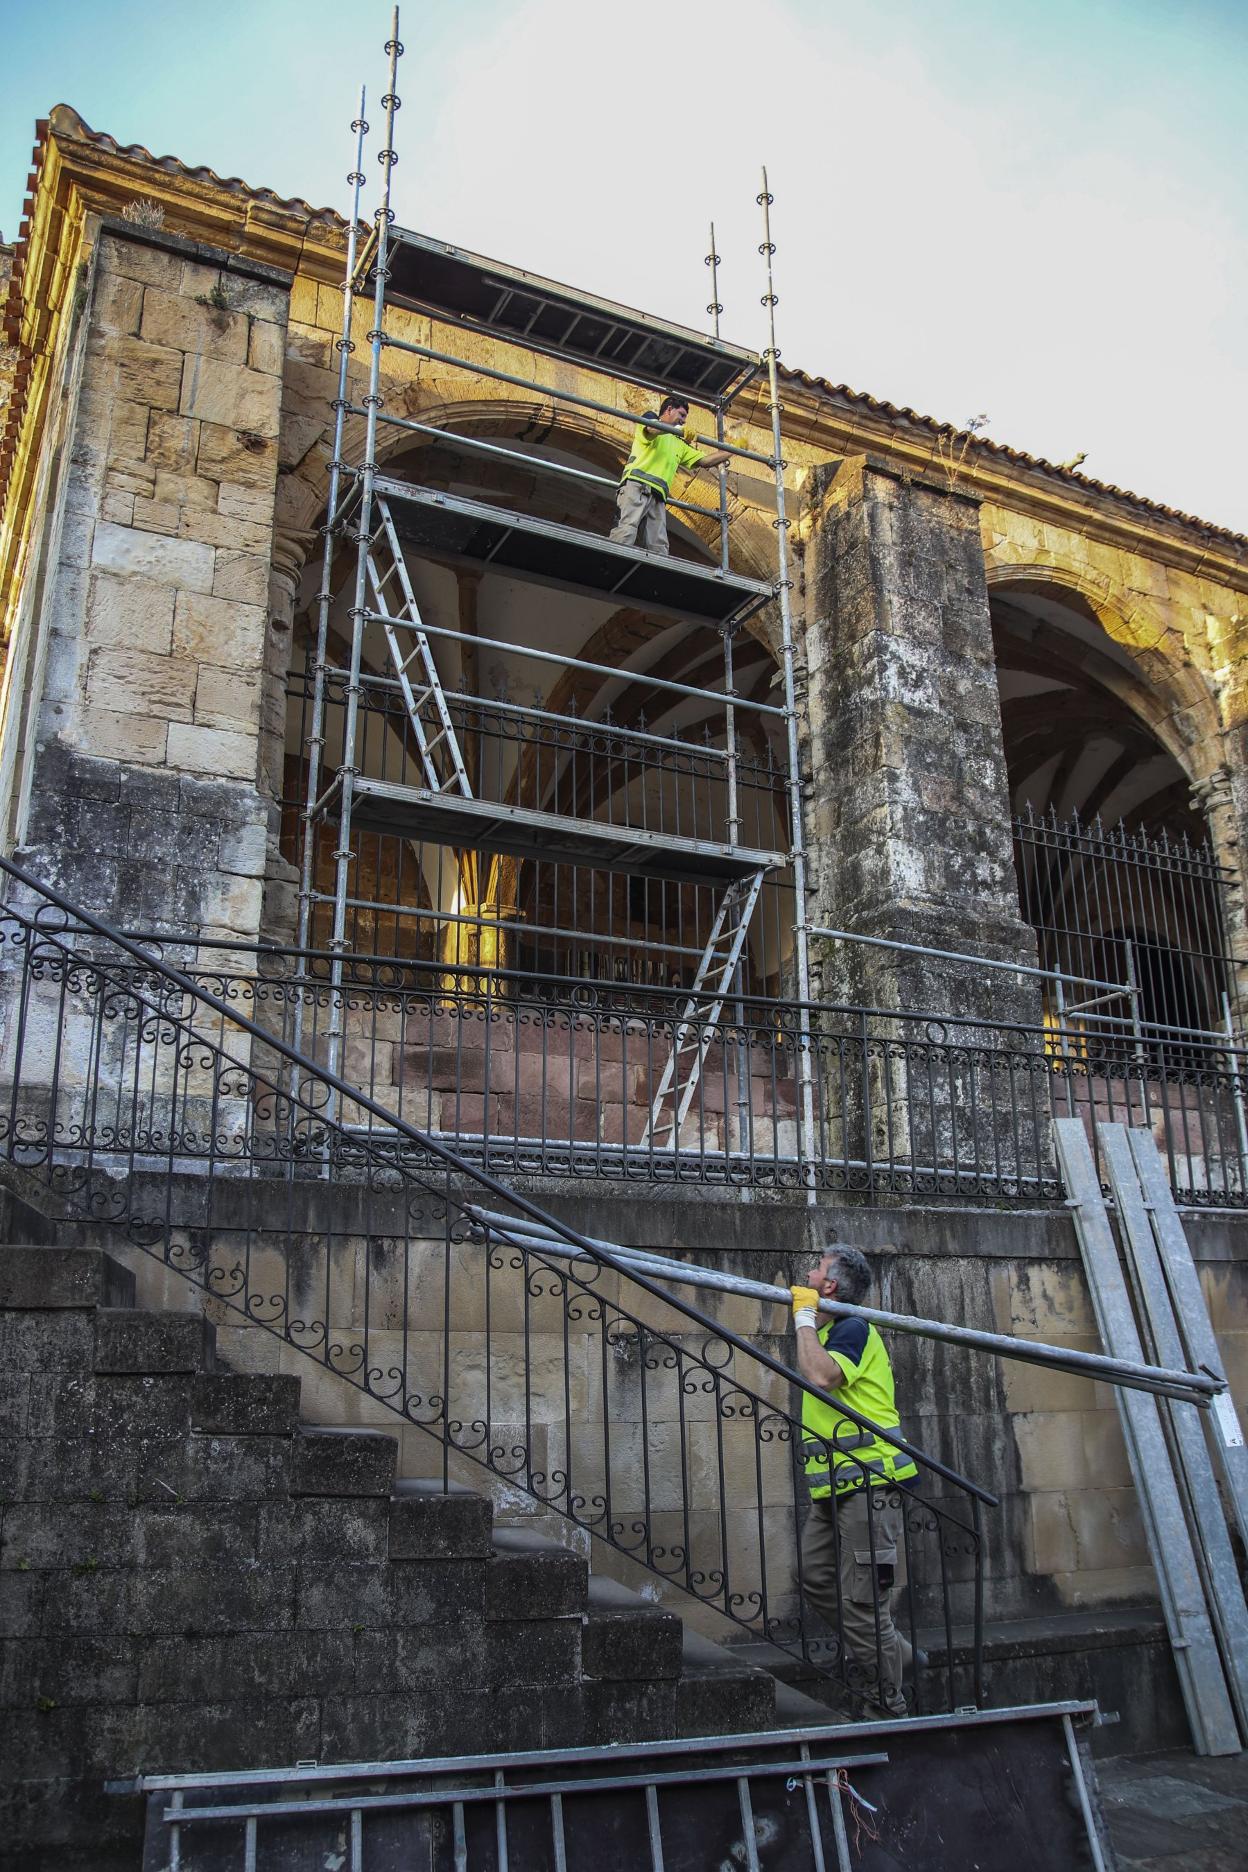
(848, 1336)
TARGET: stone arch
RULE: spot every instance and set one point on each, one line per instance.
(591, 439)
(1140, 684)
(1144, 665)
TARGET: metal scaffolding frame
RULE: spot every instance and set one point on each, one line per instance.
(385, 519)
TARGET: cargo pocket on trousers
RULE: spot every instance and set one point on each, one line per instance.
(872, 1573)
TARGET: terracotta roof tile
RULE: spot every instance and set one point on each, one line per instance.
(65, 120)
(896, 413)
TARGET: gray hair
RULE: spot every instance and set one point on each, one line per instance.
(851, 1271)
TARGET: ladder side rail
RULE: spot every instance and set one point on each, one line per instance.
(710, 1022)
(700, 1027)
(410, 701)
(422, 652)
(1205, 1698)
(685, 1026)
(1195, 1327)
(1211, 1541)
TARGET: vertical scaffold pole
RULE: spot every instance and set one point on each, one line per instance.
(730, 713)
(715, 308)
(324, 597)
(359, 608)
(801, 951)
(741, 1062)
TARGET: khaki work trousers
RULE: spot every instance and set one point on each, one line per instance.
(842, 1555)
(640, 517)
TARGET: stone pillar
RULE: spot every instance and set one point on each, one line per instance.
(145, 795)
(909, 815)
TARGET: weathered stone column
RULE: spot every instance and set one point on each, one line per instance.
(145, 799)
(909, 815)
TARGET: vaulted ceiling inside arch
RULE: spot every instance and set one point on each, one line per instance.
(1082, 731)
(501, 610)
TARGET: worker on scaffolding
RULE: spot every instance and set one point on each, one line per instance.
(654, 460)
(853, 1543)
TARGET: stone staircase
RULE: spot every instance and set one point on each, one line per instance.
(192, 1579)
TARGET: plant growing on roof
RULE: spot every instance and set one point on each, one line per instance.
(953, 459)
(144, 212)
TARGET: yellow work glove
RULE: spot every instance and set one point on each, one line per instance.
(805, 1306)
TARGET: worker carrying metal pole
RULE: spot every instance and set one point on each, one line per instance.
(1199, 1388)
(853, 1545)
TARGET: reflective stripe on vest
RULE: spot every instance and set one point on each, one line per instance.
(857, 1456)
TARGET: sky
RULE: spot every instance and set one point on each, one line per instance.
(1033, 209)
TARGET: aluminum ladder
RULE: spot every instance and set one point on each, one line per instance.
(436, 740)
(699, 1018)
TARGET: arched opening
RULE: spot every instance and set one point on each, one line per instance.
(1116, 872)
(562, 703)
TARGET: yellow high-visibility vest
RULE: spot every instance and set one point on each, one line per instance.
(655, 461)
(857, 1456)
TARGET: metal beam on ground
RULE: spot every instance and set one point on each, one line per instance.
(1201, 1679)
(1196, 1332)
(1211, 1541)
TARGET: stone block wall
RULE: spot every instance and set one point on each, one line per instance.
(142, 795)
(1066, 1539)
(191, 1580)
(909, 827)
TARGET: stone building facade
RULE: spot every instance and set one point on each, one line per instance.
(164, 468)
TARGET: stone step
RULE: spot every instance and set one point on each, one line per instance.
(531, 1578)
(430, 1522)
(795, 1710)
(342, 1462)
(139, 1343)
(626, 1637)
(34, 1279)
(245, 1404)
(717, 1693)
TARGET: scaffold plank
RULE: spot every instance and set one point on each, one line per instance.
(1200, 1346)
(524, 832)
(473, 532)
(465, 288)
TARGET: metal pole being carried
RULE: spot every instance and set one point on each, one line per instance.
(1187, 1387)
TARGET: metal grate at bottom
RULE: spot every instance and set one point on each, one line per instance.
(1006, 1790)
(752, 1802)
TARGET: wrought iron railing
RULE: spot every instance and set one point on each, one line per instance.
(142, 1103)
(1144, 909)
(544, 1075)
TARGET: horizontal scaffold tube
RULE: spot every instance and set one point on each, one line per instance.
(1187, 1387)
(565, 396)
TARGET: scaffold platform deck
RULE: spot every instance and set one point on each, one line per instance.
(475, 533)
(466, 289)
(524, 832)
